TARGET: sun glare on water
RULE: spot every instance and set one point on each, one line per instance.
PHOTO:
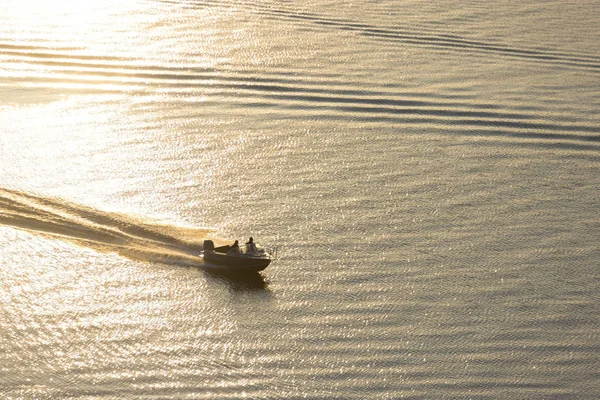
(89, 33)
(71, 21)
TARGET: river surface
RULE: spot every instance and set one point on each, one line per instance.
(430, 172)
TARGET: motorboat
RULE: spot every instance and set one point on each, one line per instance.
(246, 258)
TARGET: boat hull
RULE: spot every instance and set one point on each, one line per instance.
(236, 263)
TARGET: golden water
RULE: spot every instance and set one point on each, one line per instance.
(430, 171)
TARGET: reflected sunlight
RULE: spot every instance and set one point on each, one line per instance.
(71, 18)
(43, 32)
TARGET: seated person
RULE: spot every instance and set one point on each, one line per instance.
(235, 249)
(251, 246)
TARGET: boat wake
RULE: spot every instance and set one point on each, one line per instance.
(135, 238)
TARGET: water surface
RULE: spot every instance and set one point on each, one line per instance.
(430, 172)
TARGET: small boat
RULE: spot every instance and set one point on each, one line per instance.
(236, 259)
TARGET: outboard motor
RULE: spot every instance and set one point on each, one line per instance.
(209, 245)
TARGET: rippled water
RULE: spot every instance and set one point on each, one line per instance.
(429, 170)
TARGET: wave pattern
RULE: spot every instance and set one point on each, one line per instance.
(296, 95)
(406, 36)
(332, 100)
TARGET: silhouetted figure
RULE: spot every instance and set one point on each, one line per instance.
(251, 246)
(235, 248)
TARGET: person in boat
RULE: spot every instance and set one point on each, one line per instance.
(235, 248)
(251, 246)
